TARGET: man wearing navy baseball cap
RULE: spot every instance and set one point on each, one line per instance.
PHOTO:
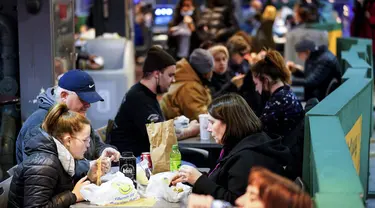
(82, 85)
(76, 89)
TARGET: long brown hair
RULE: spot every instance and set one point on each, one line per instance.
(273, 65)
(178, 18)
(277, 191)
(60, 120)
(240, 120)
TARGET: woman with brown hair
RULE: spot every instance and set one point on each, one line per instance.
(241, 77)
(265, 190)
(282, 111)
(45, 178)
(234, 125)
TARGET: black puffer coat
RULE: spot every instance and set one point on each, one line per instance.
(41, 180)
(321, 68)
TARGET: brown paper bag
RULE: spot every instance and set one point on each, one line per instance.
(162, 137)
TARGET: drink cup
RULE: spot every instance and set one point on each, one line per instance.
(203, 122)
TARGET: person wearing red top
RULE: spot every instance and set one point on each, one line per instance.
(363, 25)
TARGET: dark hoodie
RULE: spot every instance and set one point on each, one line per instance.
(45, 101)
(218, 81)
(229, 179)
(247, 91)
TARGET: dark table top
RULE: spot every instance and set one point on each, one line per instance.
(196, 142)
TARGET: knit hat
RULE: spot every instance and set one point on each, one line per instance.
(202, 61)
(305, 45)
(157, 59)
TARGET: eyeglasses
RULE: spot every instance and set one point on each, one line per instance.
(85, 141)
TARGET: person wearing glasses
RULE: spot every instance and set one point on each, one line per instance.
(76, 89)
(45, 177)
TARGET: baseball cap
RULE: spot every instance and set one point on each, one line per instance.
(82, 84)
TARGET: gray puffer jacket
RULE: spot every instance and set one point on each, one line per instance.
(45, 101)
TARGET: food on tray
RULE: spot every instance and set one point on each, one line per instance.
(99, 171)
(178, 189)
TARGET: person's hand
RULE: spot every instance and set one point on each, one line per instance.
(77, 188)
(200, 201)
(105, 167)
(252, 58)
(113, 154)
(262, 54)
(186, 174)
(193, 128)
(172, 30)
(299, 67)
(291, 66)
(92, 57)
(238, 80)
(367, 14)
(188, 20)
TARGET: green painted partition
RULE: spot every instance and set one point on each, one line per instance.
(328, 165)
(338, 131)
(353, 52)
(356, 72)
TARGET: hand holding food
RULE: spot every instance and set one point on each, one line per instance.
(186, 174)
(99, 168)
(113, 154)
(238, 80)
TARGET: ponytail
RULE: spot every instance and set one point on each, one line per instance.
(53, 116)
(274, 66)
(60, 120)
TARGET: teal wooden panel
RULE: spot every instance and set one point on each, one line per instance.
(335, 172)
(345, 44)
(360, 105)
(338, 99)
(341, 200)
(307, 157)
(355, 72)
(363, 47)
